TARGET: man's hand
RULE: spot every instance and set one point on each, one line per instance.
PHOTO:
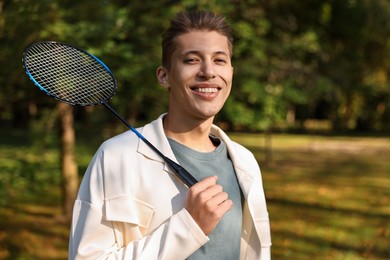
(207, 203)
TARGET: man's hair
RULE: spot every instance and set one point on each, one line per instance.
(185, 22)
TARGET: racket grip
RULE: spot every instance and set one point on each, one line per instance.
(182, 173)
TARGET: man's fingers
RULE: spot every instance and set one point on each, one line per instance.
(205, 183)
(207, 203)
(217, 207)
(219, 198)
(224, 207)
(210, 193)
(202, 185)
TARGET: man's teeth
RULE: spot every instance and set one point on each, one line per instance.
(206, 90)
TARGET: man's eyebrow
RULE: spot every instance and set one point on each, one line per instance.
(200, 53)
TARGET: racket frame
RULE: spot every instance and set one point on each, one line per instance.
(179, 171)
(31, 77)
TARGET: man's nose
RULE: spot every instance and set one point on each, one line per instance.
(207, 70)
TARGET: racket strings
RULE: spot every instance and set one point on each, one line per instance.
(69, 74)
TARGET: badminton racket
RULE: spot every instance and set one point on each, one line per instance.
(74, 76)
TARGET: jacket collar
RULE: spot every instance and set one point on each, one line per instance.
(154, 132)
(243, 170)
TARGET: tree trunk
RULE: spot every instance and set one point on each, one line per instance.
(68, 163)
(290, 115)
(268, 146)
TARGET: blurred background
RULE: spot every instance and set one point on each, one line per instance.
(310, 98)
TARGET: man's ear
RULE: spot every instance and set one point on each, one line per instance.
(162, 76)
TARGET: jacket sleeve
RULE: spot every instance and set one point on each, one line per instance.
(107, 226)
(93, 237)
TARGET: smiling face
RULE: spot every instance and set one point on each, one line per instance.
(200, 76)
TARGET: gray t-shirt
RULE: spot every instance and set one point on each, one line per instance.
(225, 239)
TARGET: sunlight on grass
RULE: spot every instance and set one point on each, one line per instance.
(328, 197)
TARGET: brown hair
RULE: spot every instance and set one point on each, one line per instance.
(193, 21)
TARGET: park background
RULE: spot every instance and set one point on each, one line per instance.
(310, 98)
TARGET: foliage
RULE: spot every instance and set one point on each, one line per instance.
(294, 60)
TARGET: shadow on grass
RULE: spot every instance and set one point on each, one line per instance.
(33, 231)
(325, 248)
(330, 204)
(284, 202)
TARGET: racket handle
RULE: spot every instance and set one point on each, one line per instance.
(182, 173)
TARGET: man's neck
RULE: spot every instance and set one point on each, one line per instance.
(193, 134)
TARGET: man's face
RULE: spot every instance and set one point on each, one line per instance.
(200, 76)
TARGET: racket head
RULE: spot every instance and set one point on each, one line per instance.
(69, 73)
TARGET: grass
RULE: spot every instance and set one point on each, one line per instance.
(328, 197)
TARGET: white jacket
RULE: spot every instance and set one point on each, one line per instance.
(130, 205)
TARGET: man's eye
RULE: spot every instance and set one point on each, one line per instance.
(190, 60)
(220, 61)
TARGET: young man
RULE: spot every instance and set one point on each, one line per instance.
(130, 204)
